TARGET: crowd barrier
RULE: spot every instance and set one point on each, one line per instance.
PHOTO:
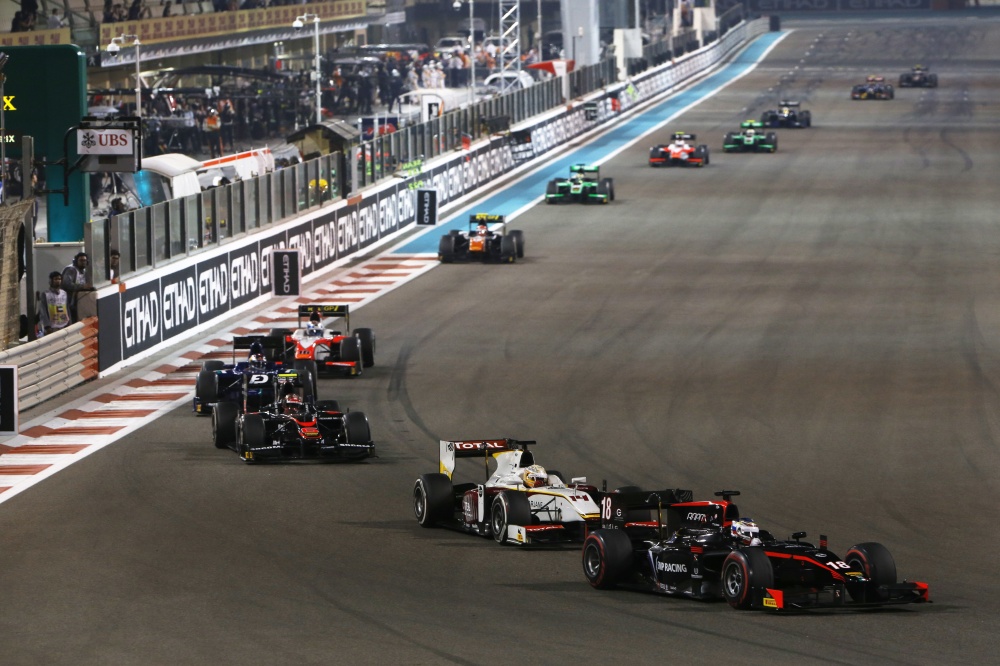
(55, 363)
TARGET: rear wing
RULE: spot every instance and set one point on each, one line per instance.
(616, 506)
(272, 346)
(324, 312)
(751, 124)
(685, 136)
(588, 172)
(470, 448)
(786, 102)
(488, 218)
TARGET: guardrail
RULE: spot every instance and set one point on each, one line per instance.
(55, 363)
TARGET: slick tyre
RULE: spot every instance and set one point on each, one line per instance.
(224, 424)
(350, 349)
(366, 337)
(518, 237)
(432, 499)
(207, 387)
(878, 566)
(308, 371)
(253, 435)
(358, 429)
(607, 558)
(509, 508)
(508, 250)
(551, 190)
(446, 249)
(744, 571)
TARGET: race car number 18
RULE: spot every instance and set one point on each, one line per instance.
(606, 508)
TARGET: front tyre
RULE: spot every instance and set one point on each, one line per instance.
(509, 508)
(224, 424)
(367, 338)
(875, 561)
(743, 571)
(607, 558)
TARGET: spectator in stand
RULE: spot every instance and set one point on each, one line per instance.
(109, 12)
(365, 93)
(53, 305)
(228, 118)
(213, 132)
(76, 282)
(55, 20)
(167, 7)
(16, 23)
(114, 267)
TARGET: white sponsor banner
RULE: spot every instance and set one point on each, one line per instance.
(105, 142)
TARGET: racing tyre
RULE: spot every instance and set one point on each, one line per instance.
(432, 499)
(728, 141)
(932, 80)
(366, 337)
(213, 365)
(309, 373)
(253, 434)
(551, 190)
(509, 508)
(772, 139)
(279, 332)
(446, 249)
(702, 152)
(224, 424)
(654, 153)
(207, 387)
(607, 558)
(807, 119)
(878, 566)
(350, 349)
(328, 406)
(518, 237)
(604, 189)
(508, 250)
(358, 430)
(743, 571)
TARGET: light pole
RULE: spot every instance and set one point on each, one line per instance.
(3, 135)
(113, 48)
(472, 47)
(318, 73)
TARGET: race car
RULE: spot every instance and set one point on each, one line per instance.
(679, 152)
(519, 503)
(221, 382)
(874, 87)
(918, 77)
(584, 185)
(487, 240)
(292, 426)
(707, 550)
(318, 348)
(788, 114)
(750, 139)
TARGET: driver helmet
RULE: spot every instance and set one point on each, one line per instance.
(257, 360)
(745, 531)
(483, 229)
(751, 132)
(291, 403)
(534, 476)
(313, 330)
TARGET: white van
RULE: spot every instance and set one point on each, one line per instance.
(175, 175)
(519, 80)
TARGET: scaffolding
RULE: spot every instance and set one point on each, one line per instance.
(510, 45)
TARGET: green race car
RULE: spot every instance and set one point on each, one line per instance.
(750, 139)
(584, 185)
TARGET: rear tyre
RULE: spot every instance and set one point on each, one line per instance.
(309, 372)
(367, 338)
(878, 566)
(432, 499)
(508, 250)
(607, 558)
(446, 249)
(358, 430)
(509, 508)
(743, 571)
(518, 237)
(224, 424)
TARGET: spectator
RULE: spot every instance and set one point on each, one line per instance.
(114, 268)
(167, 6)
(17, 23)
(395, 91)
(55, 20)
(365, 94)
(54, 305)
(213, 132)
(227, 116)
(76, 282)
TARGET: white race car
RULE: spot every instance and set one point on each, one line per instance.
(519, 503)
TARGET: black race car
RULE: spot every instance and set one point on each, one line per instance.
(706, 550)
(918, 77)
(788, 114)
(293, 426)
(874, 87)
(487, 240)
(232, 382)
(584, 185)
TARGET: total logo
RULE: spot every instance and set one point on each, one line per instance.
(671, 567)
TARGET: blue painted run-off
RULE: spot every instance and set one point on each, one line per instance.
(512, 199)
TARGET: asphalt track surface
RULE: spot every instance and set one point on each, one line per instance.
(817, 328)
